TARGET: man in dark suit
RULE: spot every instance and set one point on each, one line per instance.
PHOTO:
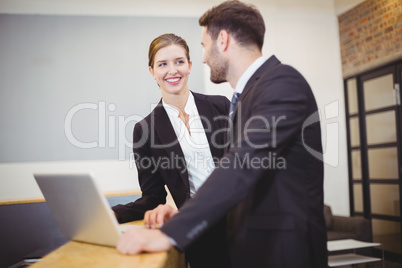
(268, 183)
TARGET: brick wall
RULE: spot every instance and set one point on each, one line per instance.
(370, 35)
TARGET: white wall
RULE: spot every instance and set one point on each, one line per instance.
(307, 38)
(341, 6)
(301, 33)
(17, 183)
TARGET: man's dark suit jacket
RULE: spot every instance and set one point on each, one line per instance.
(160, 161)
(270, 182)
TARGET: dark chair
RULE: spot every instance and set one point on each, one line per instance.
(341, 227)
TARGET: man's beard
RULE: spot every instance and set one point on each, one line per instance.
(219, 67)
(218, 75)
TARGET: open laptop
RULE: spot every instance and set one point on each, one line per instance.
(80, 209)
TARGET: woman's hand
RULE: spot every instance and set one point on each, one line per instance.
(158, 216)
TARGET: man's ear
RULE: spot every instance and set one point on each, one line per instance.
(223, 40)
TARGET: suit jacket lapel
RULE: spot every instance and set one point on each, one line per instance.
(164, 130)
(268, 64)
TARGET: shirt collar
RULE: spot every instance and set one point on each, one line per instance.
(248, 73)
(189, 108)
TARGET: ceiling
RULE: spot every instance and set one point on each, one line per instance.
(109, 7)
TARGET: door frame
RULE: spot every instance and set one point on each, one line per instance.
(396, 69)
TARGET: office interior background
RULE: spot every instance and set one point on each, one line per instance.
(74, 80)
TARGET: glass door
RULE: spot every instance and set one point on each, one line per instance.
(382, 187)
(374, 130)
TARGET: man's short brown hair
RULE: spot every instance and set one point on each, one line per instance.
(244, 22)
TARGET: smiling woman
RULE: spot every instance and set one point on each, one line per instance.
(177, 145)
(170, 65)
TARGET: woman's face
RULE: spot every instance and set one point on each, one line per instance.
(171, 69)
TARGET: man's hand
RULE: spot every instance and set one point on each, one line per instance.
(158, 216)
(137, 240)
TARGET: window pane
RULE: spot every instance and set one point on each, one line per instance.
(381, 128)
(385, 199)
(358, 197)
(356, 165)
(383, 163)
(379, 92)
(352, 95)
(388, 233)
(354, 131)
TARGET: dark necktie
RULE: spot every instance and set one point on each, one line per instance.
(233, 103)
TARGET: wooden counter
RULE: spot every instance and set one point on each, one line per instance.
(78, 254)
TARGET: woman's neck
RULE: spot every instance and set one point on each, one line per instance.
(178, 101)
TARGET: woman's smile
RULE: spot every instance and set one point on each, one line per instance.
(173, 80)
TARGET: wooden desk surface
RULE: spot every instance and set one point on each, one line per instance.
(78, 254)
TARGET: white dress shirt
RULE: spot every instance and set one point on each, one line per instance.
(194, 145)
(248, 73)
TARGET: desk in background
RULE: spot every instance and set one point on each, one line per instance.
(350, 258)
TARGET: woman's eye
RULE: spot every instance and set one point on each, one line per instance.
(180, 61)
